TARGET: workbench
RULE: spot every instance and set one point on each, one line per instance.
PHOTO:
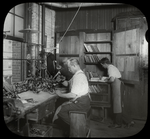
(43, 104)
(42, 99)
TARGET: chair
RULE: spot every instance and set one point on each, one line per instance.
(80, 123)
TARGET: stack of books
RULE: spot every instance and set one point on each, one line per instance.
(92, 76)
(95, 89)
(97, 48)
(93, 58)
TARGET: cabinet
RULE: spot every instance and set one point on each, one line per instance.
(96, 46)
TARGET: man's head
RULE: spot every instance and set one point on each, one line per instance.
(73, 65)
(64, 61)
(104, 62)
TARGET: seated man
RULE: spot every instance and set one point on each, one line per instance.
(79, 97)
(65, 72)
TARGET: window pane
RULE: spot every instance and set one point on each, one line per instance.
(8, 24)
(16, 64)
(19, 10)
(19, 25)
(12, 10)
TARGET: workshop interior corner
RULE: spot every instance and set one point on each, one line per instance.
(74, 69)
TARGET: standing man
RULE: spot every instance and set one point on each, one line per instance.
(114, 77)
(78, 95)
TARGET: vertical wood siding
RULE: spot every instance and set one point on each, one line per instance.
(91, 18)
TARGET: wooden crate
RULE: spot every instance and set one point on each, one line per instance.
(46, 129)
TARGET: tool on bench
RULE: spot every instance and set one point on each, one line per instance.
(30, 100)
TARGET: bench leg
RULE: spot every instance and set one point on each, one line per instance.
(104, 113)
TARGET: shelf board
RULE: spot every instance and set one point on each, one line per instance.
(99, 104)
(90, 63)
(106, 41)
(99, 94)
(126, 54)
(68, 55)
(21, 59)
(96, 82)
(98, 52)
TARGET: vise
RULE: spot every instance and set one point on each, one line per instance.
(12, 108)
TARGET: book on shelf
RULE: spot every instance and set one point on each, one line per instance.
(99, 47)
(94, 89)
(88, 58)
(86, 47)
(94, 86)
(90, 48)
(96, 49)
(93, 48)
(96, 58)
(89, 89)
(91, 58)
(85, 58)
(87, 75)
(91, 75)
(99, 88)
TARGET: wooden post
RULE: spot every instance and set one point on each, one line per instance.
(81, 49)
(57, 37)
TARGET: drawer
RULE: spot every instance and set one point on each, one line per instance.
(42, 111)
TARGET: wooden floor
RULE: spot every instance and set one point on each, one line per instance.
(100, 129)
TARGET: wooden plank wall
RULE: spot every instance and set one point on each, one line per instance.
(127, 49)
(69, 46)
(89, 18)
(129, 61)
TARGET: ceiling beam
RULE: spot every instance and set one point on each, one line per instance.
(74, 5)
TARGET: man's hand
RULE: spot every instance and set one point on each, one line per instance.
(65, 95)
(60, 78)
(110, 79)
(65, 83)
(58, 92)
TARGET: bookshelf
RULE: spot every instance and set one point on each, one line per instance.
(100, 93)
(97, 46)
(96, 50)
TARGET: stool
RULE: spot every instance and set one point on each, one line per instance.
(78, 123)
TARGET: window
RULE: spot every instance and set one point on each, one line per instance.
(12, 48)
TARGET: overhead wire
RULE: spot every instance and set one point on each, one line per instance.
(70, 24)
